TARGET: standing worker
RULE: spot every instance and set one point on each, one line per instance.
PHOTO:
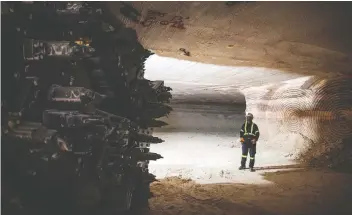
(249, 135)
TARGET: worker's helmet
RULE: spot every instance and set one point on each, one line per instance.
(249, 115)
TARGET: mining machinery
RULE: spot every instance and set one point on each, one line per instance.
(77, 113)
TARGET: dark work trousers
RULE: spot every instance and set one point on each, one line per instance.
(248, 146)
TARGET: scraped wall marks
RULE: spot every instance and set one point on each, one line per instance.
(153, 17)
(156, 17)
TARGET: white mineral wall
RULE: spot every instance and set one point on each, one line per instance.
(311, 121)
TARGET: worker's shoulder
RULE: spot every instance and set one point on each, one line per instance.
(254, 124)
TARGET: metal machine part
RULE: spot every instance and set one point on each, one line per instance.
(77, 110)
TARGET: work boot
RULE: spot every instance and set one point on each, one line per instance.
(252, 169)
(242, 167)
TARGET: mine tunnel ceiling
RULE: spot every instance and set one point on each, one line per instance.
(302, 37)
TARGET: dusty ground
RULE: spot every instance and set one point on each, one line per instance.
(291, 192)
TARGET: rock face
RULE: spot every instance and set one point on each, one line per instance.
(301, 37)
(315, 112)
(77, 113)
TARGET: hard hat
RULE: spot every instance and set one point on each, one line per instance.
(249, 115)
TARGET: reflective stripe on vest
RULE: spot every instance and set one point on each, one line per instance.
(245, 129)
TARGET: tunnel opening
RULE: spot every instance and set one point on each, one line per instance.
(294, 114)
(201, 120)
(297, 116)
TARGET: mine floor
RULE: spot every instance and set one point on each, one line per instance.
(199, 176)
(289, 192)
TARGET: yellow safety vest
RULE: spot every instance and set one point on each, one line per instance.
(245, 129)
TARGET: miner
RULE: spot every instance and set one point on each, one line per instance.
(249, 136)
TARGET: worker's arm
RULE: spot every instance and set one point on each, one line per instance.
(242, 131)
(256, 133)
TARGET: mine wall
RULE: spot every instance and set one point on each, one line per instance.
(312, 116)
(77, 113)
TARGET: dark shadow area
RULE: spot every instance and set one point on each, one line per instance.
(76, 111)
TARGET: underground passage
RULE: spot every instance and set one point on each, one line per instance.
(140, 108)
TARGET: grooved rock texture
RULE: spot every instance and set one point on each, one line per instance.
(312, 115)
